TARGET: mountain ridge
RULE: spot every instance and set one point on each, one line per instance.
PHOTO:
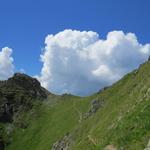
(116, 117)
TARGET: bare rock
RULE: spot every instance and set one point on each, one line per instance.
(62, 144)
(96, 104)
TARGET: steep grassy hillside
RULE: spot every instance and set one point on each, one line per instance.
(115, 118)
(124, 119)
(55, 118)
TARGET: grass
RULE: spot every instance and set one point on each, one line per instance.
(123, 121)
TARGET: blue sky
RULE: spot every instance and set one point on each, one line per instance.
(24, 25)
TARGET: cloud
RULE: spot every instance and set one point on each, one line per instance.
(22, 70)
(6, 63)
(82, 63)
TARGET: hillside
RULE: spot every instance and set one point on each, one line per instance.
(116, 118)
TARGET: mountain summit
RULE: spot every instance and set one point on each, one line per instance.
(26, 83)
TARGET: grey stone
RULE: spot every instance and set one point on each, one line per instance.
(62, 144)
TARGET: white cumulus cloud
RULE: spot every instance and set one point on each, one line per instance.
(6, 63)
(81, 63)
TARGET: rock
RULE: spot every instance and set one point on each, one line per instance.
(31, 85)
(18, 94)
(6, 113)
(96, 104)
(62, 144)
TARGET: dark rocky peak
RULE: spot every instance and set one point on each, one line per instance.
(19, 93)
(27, 84)
(24, 81)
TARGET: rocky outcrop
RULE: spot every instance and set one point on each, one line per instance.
(96, 104)
(62, 144)
(25, 83)
(19, 93)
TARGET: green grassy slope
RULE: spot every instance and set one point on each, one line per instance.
(123, 121)
(52, 121)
